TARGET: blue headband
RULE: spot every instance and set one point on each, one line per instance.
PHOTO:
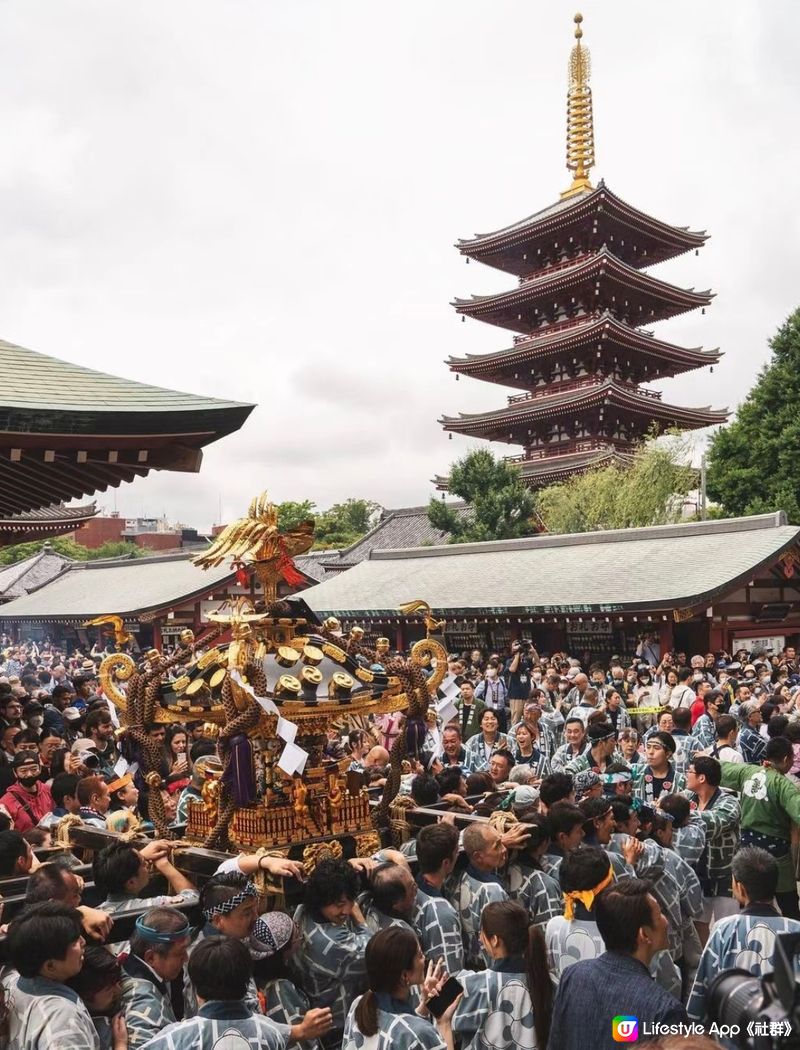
(156, 936)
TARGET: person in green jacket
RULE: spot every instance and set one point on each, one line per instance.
(770, 803)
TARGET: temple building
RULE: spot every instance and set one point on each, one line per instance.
(582, 349)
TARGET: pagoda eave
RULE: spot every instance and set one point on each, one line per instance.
(516, 248)
(601, 339)
(512, 424)
(608, 285)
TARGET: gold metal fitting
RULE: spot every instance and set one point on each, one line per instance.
(287, 656)
(217, 678)
(311, 655)
(311, 675)
(288, 686)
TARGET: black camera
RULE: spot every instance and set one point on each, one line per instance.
(760, 1013)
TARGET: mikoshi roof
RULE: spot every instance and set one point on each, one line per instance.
(123, 586)
(664, 567)
(66, 430)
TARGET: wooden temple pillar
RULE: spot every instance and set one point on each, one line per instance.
(665, 637)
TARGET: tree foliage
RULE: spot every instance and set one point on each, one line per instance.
(753, 462)
(68, 548)
(648, 492)
(345, 523)
(341, 525)
(501, 507)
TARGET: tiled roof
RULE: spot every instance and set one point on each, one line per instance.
(404, 527)
(53, 513)
(312, 564)
(36, 381)
(125, 587)
(665, 567)
(24, 576)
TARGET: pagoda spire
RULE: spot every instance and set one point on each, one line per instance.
(580, 126)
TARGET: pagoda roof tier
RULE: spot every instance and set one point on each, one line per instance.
(606, 333)
(66, 431)
(511, 424)
(602, 279)
(548, 469)
(595, 217)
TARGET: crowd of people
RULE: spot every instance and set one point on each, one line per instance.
(626, 834)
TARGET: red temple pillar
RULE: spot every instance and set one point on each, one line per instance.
(400, 640)
(665, 639)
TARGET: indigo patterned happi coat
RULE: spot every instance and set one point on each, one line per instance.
(746, 940)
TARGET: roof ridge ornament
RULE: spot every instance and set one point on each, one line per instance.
(580, 125)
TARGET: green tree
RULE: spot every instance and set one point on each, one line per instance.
(345, 523)
(501, 507)
(650, 491)
(753, 462)
(291, 514)
(68, 548)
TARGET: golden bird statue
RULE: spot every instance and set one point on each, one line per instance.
(120, 635)
(256, 541)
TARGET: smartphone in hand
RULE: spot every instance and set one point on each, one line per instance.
(451, 989)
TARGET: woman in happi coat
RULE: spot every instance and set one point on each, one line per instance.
(382, 1018)
(508, 1006)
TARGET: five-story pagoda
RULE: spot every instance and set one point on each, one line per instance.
(581, 351)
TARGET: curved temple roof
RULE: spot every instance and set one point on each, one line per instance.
(66, 430)
(507, 248)
(611, 393)
(508, 309)
(666, 567)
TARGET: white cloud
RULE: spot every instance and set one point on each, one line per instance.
(258, 199)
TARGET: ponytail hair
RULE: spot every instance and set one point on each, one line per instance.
(390, 953)
(509, 921)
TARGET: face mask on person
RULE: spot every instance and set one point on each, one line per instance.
(537, 676)
(35, 722)
(28, 782)
(697, 677)
(491, 673)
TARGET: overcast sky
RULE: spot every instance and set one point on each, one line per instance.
(259, 200)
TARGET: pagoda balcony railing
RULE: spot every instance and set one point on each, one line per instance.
(557, 327)
(546, 270)
(564, 387)
(569, 448)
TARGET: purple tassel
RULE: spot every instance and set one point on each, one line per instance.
(239, 777)
(415, 736)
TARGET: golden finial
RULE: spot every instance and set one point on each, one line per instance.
(580, 127)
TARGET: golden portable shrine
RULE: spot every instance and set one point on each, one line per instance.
(269, 680)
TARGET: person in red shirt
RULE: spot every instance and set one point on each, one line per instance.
(699, 707)
(28, 800)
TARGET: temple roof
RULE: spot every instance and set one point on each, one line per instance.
(496, 425)
(126, 587)
(614, 222)
(53, 520)
(665, 567)
(549, 469)
(66, 430)
(406, 526)
(511, 367)
(607, 280)
(26, 575)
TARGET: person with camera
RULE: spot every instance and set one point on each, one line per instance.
(746, 939)
(517, 674)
